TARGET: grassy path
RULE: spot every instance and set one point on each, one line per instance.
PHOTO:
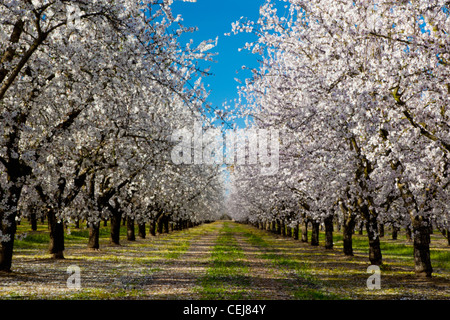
(221, 260)
(228, 274)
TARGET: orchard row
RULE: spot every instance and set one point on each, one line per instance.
(90, 93)
(360, 93)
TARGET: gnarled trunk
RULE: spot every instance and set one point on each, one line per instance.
(166, 224)
(33, 221)
(141, 230)
(282, 228)
(328, 221)
(421, 235)
(130, 229)
(94, 235)
(408, 233)
(394, 232)
(347, 233)
(381, 229)
(278, 226)
(160, 225)
(8, 219)
(375, 255)
(6, 249)
(8, 227)
(305, 230)
(315, 233)
(116, 217)
(295, 231)
(56, 245)
(152, 228)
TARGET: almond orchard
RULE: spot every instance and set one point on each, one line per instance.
(105, 113)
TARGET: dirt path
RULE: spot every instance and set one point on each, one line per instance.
(267, 281)
(178, 279)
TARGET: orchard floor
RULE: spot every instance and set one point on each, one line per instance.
(221, 260)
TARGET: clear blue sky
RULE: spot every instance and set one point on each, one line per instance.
(213, 18)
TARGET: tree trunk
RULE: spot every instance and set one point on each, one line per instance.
(166, 224)
(448, 237)
(160, 226)
(328, 221)
(8, 220)
(141, 230)
(278, 226)
(361, 228)
(33, 221)
(282, 228)
(116, 218)
(305, 230)
(375, 255)
(421, 232)
(421, 228)
(394, 232)
(130, 229)
(408, 233)
(56, 245)
(94, 235)
(381, 229)
(315, 233)
(6, 249)
(295, 231)
(152, 228)
(347, 232)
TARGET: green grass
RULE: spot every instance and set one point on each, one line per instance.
(177, 248)
(227, 277)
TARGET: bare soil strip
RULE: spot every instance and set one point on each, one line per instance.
(178, 279)
(267, 282)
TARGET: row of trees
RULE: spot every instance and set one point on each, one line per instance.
(90, 93)
(359, 92)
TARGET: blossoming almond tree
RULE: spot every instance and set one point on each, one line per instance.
(361, 88)
(76, 79)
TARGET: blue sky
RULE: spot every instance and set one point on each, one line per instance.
(213, 18)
